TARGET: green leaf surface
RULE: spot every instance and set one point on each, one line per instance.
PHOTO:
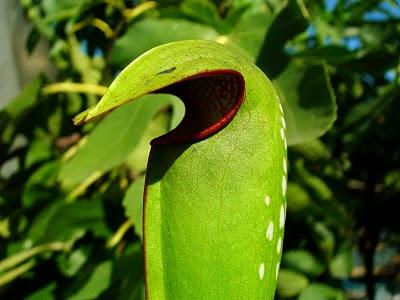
(200, 192)
(110, 143)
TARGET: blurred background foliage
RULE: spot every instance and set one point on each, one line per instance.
(71, 197)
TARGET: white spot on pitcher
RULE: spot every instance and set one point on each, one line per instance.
(267, 200)
(282, 217)
(283, 122)
(277, 270)
(270, 231)
(282, 134)
(284, 165)
(261, 270)
(279, 246)
(280, 107)
(284, 185)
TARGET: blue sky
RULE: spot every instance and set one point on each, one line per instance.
(385, 8)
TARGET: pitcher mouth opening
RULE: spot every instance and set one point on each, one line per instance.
(211, 101)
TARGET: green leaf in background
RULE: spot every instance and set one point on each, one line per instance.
(178, 112)
(203, 11)
(244, 26)
(39, 224)
(307, 99)
(290, 283)
(72, 262)
(303, 261)
(249, 30)
(137, 159)
(151, 32)
(342, 263)
(98, 282)
(127, 276)
(63, 9)
(364, 115)
(324, 239)
(13, 114)
(110, 143)
(313, 150)
(319, 291)
(133, 204)
(288, 23)
(324, 199)
(329, 54)
(39, 149)
(118, 279)
(246, 32)
(299, 201)
(46, 293)
(39, 188)
(70, 221)
(304, 89)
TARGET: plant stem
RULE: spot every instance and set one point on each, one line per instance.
(71, 87)
(119, 234)
(18, 258)
(14, 273)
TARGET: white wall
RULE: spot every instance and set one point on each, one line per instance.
(16, 66)
(9, 79)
